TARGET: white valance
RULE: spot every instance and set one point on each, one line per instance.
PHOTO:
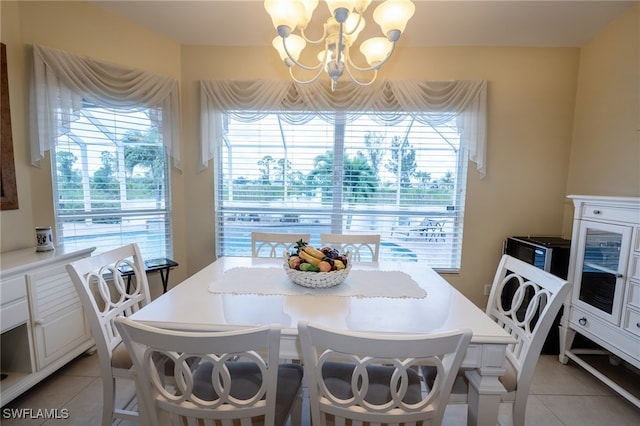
(61, 81)
(429, 102)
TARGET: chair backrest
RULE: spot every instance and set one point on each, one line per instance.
(368, 377)
(220, 376)
(528, 315)
(362, 246)
(267, 244)
(103, 292)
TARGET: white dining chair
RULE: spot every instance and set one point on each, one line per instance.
(104, 296)
(274, 244)
(527, 314)
(221, 377)
(363, 247)
(372, 378)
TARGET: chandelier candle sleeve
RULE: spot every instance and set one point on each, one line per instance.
(339, 32)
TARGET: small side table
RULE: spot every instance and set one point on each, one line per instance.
(161, 264)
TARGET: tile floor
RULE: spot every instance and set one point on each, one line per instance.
(560, 395)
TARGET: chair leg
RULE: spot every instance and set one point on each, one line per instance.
(518, 411)
(108, 400)
(296, 410)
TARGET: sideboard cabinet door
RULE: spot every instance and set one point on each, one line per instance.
(601, 264)
(58, 317)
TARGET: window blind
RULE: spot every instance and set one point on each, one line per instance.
(405, 181)
(111, 181)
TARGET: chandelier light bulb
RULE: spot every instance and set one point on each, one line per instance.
(309, 7)
(294, 44)
(393, 15)
(285, 13)
(376, 50)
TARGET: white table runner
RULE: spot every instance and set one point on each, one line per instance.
(270, 281)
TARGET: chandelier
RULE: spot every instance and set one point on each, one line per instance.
(340, 31)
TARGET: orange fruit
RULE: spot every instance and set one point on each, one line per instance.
(324, 266)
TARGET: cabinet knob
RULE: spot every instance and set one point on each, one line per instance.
(582, 321)
(596, 211)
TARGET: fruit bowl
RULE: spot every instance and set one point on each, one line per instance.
(317, 279)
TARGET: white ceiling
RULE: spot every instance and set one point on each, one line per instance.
(435, 23)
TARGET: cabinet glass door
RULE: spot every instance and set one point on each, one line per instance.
(604, 253)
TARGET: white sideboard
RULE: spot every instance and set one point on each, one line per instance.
(42, 322)
(604, 268)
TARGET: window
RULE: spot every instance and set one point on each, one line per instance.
(404, 181)
(389, 158)
(111, 182)
(111, 131)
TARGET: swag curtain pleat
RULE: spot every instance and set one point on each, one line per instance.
(429, 102)
(61, 81)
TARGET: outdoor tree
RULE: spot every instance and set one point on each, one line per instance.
(403, 161)
(105, 188)
(144, 152)
(69, 182)
(375, 152)
(321, 176)
(265, 168)
(282, 169)
(423, 178)
(359, 179)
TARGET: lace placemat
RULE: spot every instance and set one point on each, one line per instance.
(270, 281)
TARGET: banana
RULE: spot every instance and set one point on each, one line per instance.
(314, 252)
(308, 258)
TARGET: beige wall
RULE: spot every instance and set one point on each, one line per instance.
(605, 152)
(532, 95)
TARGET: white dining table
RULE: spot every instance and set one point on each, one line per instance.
(388, 297)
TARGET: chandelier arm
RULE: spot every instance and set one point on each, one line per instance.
(355, 27)
(296, 63)
(361, 83)
(318, 41)
(374, 67)
(311, 80)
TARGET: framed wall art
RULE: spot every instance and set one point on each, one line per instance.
(8, 188)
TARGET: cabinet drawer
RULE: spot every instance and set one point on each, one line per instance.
(609, 214)
(13, 314)
(631, 322)
(611, 337)
(13, 289)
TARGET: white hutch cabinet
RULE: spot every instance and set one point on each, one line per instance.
(42, 322)
(605, 271)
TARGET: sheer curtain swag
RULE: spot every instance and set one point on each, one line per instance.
(62, 81)
(429, 102)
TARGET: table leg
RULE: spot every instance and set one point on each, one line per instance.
(484, 398)
(164, 275)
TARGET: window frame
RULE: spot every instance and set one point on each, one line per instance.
(158, 221)
(339, 206)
